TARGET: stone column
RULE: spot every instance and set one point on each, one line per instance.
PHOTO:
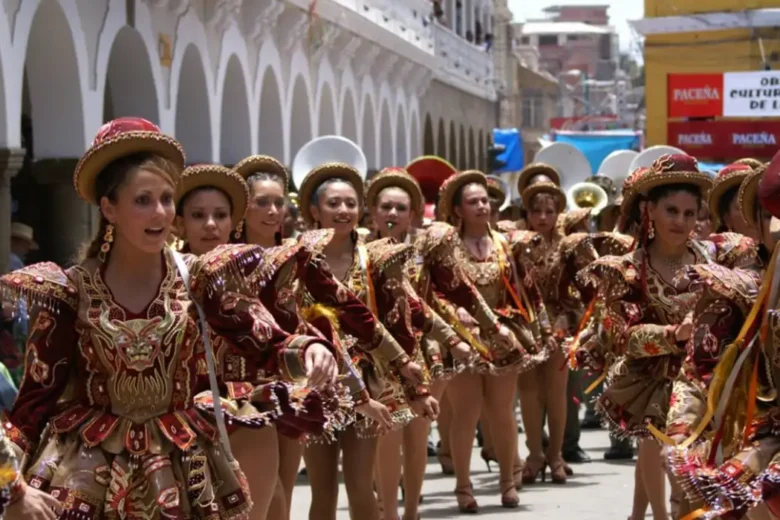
(69, 222)
(11, 160)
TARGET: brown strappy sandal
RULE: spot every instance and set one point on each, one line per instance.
(466, 501)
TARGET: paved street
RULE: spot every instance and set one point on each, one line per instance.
(598, 490)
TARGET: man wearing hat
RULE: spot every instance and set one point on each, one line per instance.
(22, 242)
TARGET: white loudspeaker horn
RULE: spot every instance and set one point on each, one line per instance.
(328, 149)
(572, 165)
(617, 164)
(647, 157)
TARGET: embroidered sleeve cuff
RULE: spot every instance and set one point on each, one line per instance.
(292, 363)
(18, 441)
(390, 350)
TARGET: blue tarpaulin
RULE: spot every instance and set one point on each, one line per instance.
(513, 153)
(597, 145)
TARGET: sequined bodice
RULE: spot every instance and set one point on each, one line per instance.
(486, 275)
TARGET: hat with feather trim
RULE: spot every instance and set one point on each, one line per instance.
(399, 178)
(120, 138)
(216, 176)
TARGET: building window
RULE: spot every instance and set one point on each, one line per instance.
(548, 39)
(525, 40)
(533, 108)
(605, 47)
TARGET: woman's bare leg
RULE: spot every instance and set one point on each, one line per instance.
(465, 392)
(358, 462)
(290, 454)
(257, 453)
(654, 477)
(554, 395)
(322, 470)
(415, 452)
(640, 505)
(388, 472)
(530, 388)
(444, 424)
(500, 398)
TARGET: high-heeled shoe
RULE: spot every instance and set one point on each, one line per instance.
(488, 458)
(509, 501)
(446, 464)
(466, 501)
(532, 468)
(557, 471)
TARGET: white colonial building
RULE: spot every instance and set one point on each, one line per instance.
(230, 78)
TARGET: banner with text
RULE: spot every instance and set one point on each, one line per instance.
(725, 139)
(695, 95)
(732, 94)
(751, 94)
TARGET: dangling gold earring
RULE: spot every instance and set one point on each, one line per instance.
(651, 231)
(239, 230)
(108, 238)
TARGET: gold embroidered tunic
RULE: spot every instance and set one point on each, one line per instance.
(107, 418)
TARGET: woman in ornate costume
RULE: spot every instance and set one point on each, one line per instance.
(107, 419)
(643, 307)
(513, 331)
(544, 388)
(726, 460)
(300, 262)
(394, 199)
(331, 196)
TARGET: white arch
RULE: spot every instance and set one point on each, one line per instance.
(415, 140)
(63, 126)
(190, 31)
(234, 48)
(193, 124)
(326, 86)
(368, 92)
(271, 136)
(387, 149)
(349, 95)
(369, 136)
(236, 139)
(130, 78)
(299, 70)
(64, 121)
(271, 110)
(413, 111)
(116, 23)
(402, 139)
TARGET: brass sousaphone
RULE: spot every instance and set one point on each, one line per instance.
(574, 169)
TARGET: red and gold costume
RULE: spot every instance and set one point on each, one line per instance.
(111, 417)
(508, 294)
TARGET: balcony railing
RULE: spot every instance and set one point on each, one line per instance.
(463, 64)
(408, 19)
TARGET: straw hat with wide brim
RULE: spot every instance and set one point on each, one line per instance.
(398, 178)
(120, 138)
(747, 196)
(322, 173)
(24, 232)
(534, 169)
(674, 169)
(549, 188)
(729, 178)
(262, 164)
(220, 177)
(452, 185)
